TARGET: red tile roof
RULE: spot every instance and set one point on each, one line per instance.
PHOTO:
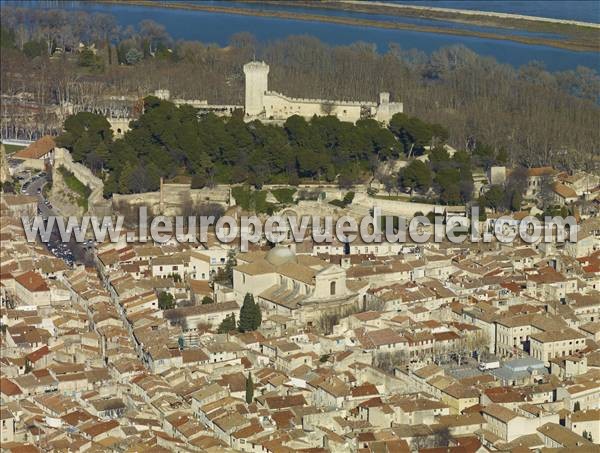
(9, 388)
(37, 149)
(37, 355)
(32, 281)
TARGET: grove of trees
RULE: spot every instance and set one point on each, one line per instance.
(168, 140)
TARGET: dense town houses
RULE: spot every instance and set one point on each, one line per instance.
(394, 346)
(202, 347)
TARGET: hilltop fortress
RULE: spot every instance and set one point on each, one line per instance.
(260, 103)
(264, 105)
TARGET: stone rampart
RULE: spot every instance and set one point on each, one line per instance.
(97, 205)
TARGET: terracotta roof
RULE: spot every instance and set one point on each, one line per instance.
(32, 281)
(367, 389)
(564, 191)
(281, 402)
(98, 428)
(540, 171)
(37, 149)
(499, 412)
(37, 355)
(9, 388)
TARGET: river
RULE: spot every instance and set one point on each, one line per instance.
(212, 27)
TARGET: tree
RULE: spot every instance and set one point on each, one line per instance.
(227, 325)
(515, 201)
(546, 193)
(576, 406)
(34, 49)
(207, 300)
(493, 198)
(484, 155)
(416, 176)
(250, 315)
(249, 389)
(349, 177)
(88, 59)
(166, 301)
(225, 275)
(84, 133)
(415, 133)
(133, 56)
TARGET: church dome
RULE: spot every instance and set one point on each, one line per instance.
(279, 255)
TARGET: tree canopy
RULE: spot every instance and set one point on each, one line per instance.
(166, 301)
(227, 325)
(250, 315)
(168, 140)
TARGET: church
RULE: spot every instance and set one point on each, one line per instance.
(302, 287)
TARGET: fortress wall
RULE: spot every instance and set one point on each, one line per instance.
(96, 202)
(402, 208)
(174, 197)
(280, 107)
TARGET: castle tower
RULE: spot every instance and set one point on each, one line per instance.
(257, 73)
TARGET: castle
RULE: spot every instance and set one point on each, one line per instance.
(260, 103)
(265, 105)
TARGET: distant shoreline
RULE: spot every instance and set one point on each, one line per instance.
(470, 12)
(569, 43)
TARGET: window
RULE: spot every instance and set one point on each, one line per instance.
(332, 288)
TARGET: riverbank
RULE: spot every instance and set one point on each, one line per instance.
(576, 43)
(471, 13)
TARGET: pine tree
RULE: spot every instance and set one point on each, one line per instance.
(247, 314)
(227, 325)
(257, 317)
(249, 389)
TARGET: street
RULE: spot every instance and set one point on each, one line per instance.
(71, 251)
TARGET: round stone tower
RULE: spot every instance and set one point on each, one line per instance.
(257, 73)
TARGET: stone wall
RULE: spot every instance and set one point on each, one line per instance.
(63, 199)
(172, 198)
(97, 205)
(393, 207)
(278, 106)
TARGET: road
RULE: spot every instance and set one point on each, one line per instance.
(70, 252)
